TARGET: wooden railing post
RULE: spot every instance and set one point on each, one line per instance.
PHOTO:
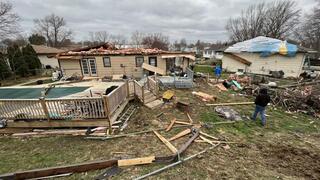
(107, 111)
(44, 107)
(134, 88)
(142, 92)
(128, 89)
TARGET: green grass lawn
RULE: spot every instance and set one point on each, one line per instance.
(288, 148)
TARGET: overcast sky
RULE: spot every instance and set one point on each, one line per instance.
(190, 19)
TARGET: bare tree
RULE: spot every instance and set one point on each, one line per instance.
(8, 20)
(100, 36)
(136, 39)
(156, 40)
(275, 19)
(118, 40)
(54, 28)
(308, 33)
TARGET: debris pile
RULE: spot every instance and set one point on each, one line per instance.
(300, 98)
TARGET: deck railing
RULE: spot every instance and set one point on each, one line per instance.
(67, 109)
(118, 96)
(139, 90)
(153, 85)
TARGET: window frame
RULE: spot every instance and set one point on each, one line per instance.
(156, 60)
(137, 59)
(104, 64)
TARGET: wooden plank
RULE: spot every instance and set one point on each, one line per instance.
(57, 123)
(206, 140)
(136, 161)
(75, 168)
(190, 119)
(180, 134)
(230, 104)
(171, 124)
(207, 135)
(153, 69)
(166, 142)
(181, 122)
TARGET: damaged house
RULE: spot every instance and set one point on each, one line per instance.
(106, 60)
(262, 55)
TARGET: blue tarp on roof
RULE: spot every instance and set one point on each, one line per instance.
(265, 46)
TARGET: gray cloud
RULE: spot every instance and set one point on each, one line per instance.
(190, 19)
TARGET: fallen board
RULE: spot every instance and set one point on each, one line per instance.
(136, 161)
(180, 134)
(166, 142)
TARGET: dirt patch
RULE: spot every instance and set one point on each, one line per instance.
(291, 160)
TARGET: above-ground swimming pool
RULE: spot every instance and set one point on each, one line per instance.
(35, 93)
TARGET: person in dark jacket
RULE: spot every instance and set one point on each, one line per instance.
(261, 102)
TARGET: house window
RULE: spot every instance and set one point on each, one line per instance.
(106, 62)
(139, 61)
(153, 61)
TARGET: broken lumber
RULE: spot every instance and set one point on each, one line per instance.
(136, 161)
(230, 104)
(206, 140)
(88, 166)
(221, 87)
(176, 163)
(171, 124)
(180, 134)
(134, 133)
(166, 142)
(190, 119)
(209, 136)
(75, 168)
(205, 96)
(181, 122)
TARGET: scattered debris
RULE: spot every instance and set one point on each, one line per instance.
(221, 87)
(229, 104)
(180, 134)
(176, 163)
(168, 95)
(204, 96)
(183, 106)
(114, 170)
(171, 124)
(190, 119)
(136, 161)
(166, 142)
(228, 113)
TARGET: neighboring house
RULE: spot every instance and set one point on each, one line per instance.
(106, 60)
(47, 55)
(212, 53)
(261, 55)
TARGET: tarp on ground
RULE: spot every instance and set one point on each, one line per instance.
(265, 46)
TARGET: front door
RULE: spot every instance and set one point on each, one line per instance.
(89, 67)
(85, 67)
(93, 67)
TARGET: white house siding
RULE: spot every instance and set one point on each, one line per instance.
(53, 62)
(70, 67)
(232, 65)
(291, 66)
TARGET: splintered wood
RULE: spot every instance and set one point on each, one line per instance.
(180, 134)
(166, 142)
(171, 124)
(136, 161)
(205, 96)
(190, 119)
